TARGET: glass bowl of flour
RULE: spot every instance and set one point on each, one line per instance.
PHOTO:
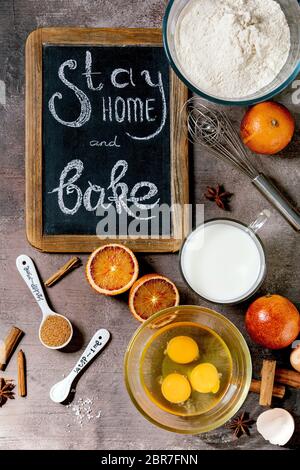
(234, 52)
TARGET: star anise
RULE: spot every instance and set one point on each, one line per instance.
(6, 390)
(240, 425)
(219, 196)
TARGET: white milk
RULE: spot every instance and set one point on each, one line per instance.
(222, 262)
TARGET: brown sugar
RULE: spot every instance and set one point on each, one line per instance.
(55, 331)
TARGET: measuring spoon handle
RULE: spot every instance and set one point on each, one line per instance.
(28, 272)
(97, 343)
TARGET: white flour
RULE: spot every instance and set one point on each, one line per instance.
(232, 48)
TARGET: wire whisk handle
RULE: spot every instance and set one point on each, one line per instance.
(273, 195)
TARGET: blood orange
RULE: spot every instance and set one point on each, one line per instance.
(150, 294)
(112, 269)
(267, 128)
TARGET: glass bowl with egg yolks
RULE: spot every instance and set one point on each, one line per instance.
(188, 369)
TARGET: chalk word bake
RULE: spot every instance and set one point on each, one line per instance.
(95, 196)
(113, 109)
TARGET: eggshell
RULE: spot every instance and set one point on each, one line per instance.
(295, 358)
(276, 426)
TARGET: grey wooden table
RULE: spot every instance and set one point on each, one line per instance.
(36, 422)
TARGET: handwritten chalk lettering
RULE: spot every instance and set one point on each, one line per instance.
(115, 184)
(151, 193)
(118, 109)
(104, 143)
(88, 73)
(137, 105)
(160, 86)
(85, 112)
(94, 188)
(107, 109)
(115, 77)
(120, 195)
(127, 110)
(120, 191)
(148, 109)
(76, 165)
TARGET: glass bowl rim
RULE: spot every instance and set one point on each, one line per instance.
(222, 101)
(254, 234)
(219, 422)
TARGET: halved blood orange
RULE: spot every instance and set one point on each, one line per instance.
(112, 269)
(150, 294)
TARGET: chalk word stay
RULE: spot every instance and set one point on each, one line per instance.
(117, 109)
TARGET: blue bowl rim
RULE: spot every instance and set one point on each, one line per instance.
(198, 92)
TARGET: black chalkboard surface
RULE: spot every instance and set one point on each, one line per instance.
(107, 150)
(122, 94)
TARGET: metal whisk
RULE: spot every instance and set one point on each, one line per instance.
(212, 129)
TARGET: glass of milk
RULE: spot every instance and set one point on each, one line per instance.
(223, 260)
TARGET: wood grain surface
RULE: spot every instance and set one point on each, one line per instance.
(35, 422)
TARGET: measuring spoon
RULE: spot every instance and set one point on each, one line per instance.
(60, 391)
(28, 272)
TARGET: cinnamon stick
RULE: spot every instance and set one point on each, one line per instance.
(9, 345)
(278, 390)
(66, 268)
(288, 377)
(267, 382)
(21, 374)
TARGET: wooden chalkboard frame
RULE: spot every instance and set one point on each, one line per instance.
(33, 135)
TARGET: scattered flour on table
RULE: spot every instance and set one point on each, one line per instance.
(83, 411)
(232, 48)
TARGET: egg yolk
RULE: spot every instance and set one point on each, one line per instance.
(182, 349)
(176, 388)
(205, 378)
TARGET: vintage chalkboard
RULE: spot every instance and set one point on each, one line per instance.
(105, 155)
